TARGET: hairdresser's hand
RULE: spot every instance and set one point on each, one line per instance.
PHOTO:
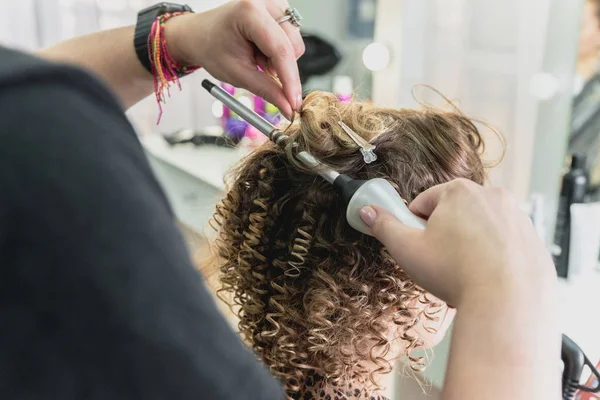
(477, 242)
(232, 40)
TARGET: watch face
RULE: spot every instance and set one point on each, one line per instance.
(162, 8)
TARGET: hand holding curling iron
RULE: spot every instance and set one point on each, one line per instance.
(477, 241)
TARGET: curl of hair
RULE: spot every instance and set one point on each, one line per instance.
(311, 293)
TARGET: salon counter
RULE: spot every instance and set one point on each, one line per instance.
(191, 176)
(193, 180)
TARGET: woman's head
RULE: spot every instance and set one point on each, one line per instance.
(311, 293)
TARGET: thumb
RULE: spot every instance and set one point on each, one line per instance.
(405, 244)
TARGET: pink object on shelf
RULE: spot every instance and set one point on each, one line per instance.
(343, 87)
(226, 111)
(259, 106)
(255, 135)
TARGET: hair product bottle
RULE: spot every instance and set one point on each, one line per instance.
(573, 190)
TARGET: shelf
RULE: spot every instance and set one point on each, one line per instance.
(208, 164)
(192, 177)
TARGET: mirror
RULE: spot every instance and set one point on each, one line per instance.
(348, 27)
(584, 135)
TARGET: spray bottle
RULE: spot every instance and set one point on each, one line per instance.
(573, 190)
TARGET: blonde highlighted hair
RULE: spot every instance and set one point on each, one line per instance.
(312, 294)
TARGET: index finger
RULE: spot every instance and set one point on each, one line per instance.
(273, 42)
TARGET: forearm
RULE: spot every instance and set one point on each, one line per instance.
(229, 41)
(110, 55)
(505, 349)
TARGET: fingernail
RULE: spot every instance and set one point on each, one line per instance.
(368, 215)
(299, 103)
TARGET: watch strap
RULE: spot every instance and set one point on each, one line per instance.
(145, 20)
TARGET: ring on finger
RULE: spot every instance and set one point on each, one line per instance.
(292, 15)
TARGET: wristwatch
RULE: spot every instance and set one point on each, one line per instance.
(145, 19)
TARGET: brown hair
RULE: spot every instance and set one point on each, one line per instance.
(311, 293)
(596, 4)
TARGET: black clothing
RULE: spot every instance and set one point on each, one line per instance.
(98, 296)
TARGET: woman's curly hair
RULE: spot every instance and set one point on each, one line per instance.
(312, 294)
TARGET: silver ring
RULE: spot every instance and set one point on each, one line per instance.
(292, 15)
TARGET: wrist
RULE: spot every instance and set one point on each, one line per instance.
(178, 38)
(531, 295)
(531, 280)
(167, 49)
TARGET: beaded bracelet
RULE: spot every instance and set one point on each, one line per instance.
(165, 69)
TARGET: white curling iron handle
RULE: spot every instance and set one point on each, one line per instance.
(380, 192)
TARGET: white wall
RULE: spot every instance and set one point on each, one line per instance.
(481, 54)
(21, 32)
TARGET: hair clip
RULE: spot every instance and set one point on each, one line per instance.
(366, 148)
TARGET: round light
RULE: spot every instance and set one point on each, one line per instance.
(544, 86)
(376, 56)
(217, 109)
(245, 100)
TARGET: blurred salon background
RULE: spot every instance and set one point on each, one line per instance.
(528, 68)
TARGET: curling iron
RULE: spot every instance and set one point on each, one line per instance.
(355, 193)
(360, 193)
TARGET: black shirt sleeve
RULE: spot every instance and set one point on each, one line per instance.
(98, 296)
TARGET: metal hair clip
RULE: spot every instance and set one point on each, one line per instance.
(366, 148)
